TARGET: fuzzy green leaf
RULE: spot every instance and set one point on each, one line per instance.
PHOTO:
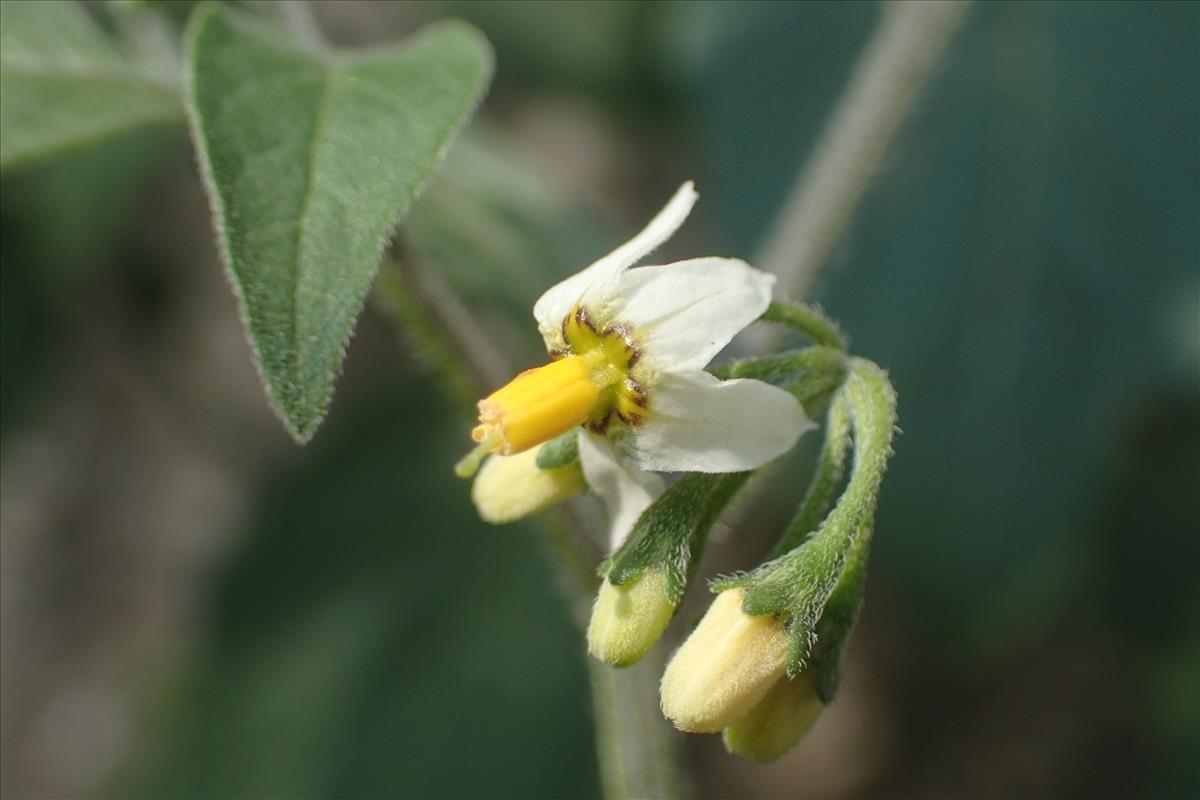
(64, 83)
(838, 620)
(311, 158)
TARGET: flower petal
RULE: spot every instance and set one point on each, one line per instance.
(696, 423)
(626, 493)
(599, 280)
(684, 313)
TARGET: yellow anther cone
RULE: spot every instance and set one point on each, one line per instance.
(538, 405)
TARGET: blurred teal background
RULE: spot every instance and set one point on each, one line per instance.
(194, 607)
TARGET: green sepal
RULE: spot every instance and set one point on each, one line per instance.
(799, 585)
(809, 321)
(671, 533)
(838, 621)
(796, 587)
(559, 451)
(831, 468)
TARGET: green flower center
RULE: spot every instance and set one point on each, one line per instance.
(612, 351)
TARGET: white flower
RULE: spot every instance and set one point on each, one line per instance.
(629, 348)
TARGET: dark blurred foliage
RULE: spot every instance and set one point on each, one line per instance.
(1026, 266)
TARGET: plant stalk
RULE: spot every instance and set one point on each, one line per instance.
(635, 745)
(637, 748)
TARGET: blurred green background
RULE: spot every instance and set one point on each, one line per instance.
(195, 607)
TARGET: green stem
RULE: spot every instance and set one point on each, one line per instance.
(799, 583)
(873, 411)
(635, 743)
(812, 374)
(831, 467)
(397, 296)
(839, 618)
(808, 321)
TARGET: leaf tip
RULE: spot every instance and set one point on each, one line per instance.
(301, 425)
(454, 27)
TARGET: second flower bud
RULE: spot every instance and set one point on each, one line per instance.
(628, 619)
(725, 668)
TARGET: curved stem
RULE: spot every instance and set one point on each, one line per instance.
(808, 321)
(831, 464)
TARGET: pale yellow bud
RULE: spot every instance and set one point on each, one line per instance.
(627, 620)
(511, 487)
(778, 721)
(725, 667)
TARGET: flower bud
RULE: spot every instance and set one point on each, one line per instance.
(725, 667)
(628, 619)
(511, 487)
(778, 721)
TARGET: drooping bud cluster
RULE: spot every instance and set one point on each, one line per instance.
(766, 658)
(625, 397)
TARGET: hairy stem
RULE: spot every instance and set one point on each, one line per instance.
(809, 321)
(635, 742)
(635, 746)
(831, 465)
(448, 333)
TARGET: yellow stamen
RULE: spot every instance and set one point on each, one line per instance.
(540, 404)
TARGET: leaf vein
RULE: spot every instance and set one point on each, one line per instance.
(320, 127)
